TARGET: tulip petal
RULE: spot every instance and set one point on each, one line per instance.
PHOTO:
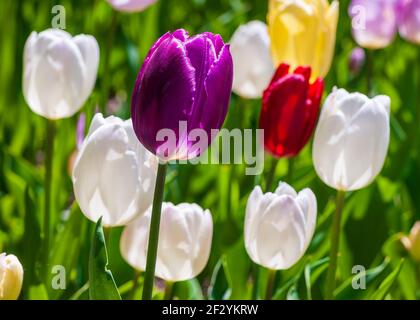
(218, 87)
(165, 94)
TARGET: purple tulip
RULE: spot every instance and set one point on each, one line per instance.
(374, 22)
(409, 20)
(184, 84)
(356, 60)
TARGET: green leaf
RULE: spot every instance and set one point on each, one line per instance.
(101, 282)
(66, 247)
(32, 239)
(386, 285)
(188, 290)
(346, 290)
(38, 292)
(220, 284)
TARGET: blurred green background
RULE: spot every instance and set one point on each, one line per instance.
(374, 217)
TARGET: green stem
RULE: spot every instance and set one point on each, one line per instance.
(49, 154)
(369, 71)
(290, 169)
(154, 233)
(270, 284)
(271, 174)
(135, 284)
(107, 58)
(335, 241)
(169, 289)
(256, 284)
(417, 118)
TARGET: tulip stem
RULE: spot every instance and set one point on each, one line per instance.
(271, 174)
(154, 233)
(270, 284)
(290, 168)
(256, 287)
(107, 59)
(369, 71)
(135, 284)
(49, 153)
(335, 241)
(169, 289)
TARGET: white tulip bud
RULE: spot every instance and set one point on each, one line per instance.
(252, 62)
(279, 226)
(11, 277)
(185, 236)
(114, 175)
(59, 72)
(351, 139)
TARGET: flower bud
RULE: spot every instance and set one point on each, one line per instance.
(374, 23)
(183, 80)
(130, 5)
(302, 33)
(412, 242)
(409, 20)
(185, 236)
(114, 175)
(279, 226)
(59, 72)
(351, 139)
(11, 277)
(290, 110)
(252, 63)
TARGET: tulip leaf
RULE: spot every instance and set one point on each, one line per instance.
(394, 249)
(188, 290)
(346, 290)
(220, 284)
(65, 250)
(386, 285)
(32, 239)
(101, 282)
(37, 292)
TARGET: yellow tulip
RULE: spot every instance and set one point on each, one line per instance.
(303, 33)
(412, 242)
(11, 277)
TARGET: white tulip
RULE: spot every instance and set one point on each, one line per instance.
(351, 139)
(252, 62)
(279, 226)
(114, 175)
(11, 277)
(59, 72)
(185, 237)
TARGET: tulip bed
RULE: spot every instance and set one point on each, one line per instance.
(85, 185)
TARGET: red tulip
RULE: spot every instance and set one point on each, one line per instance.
(290, 110)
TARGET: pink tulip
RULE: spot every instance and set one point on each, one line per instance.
(409, 20)
(130, 5)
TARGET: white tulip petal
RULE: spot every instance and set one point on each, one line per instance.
(108, 178)
(351, 139)
(185, 237)
(89, 49)
(252, 63)
(280, 226)
(285, 189)
(59, 72)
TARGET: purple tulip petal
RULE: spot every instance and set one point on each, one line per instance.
(164, 95)
(182, 79)
(218, 87)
